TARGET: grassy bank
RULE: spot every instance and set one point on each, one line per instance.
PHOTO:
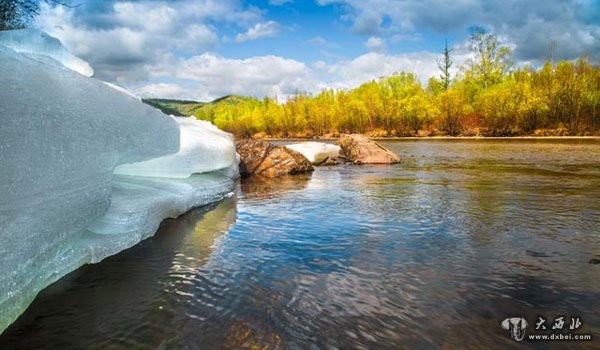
(392, 138)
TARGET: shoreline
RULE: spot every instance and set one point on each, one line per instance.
(396, 138)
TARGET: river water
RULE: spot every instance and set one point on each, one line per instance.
(432, 253)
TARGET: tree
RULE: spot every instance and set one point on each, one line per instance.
(563, 99)
(492, 60)
(14, 14)
(444, 66)
(498, 107)
(453, 109)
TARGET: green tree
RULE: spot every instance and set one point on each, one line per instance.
(492, 60)
(453, 108)
(15, 14)
(564, 99)
(445, 66)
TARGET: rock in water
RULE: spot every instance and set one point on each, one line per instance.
(362, 150)
(317, 152)
(264, 159)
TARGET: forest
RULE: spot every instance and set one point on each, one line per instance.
(488, 96)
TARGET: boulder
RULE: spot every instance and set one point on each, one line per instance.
(264, 159)
(362, 150)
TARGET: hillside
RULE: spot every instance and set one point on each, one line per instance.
(174, 107)
(189, 108)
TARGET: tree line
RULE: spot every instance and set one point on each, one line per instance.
(16, 14)
(488, 96)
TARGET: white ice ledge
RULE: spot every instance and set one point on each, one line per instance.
(61, 137)
(39, 45)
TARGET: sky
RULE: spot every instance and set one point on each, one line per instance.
(205, 49)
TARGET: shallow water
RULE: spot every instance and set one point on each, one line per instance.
(431, 253)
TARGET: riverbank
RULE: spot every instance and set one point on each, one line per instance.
(392, 138)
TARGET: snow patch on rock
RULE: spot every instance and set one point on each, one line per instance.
(316, 152)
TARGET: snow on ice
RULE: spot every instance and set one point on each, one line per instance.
(62, 135)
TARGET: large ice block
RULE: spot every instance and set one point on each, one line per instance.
(204, 148)
(123, 90)
(139, 204)
(37, 44)
(316, 152)
(61, 206)
(61, 135)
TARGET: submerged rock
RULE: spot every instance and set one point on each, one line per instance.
(362, 150)
(264, 159)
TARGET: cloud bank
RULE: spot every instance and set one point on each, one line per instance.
(173, 48)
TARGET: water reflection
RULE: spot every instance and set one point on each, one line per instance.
(133, 300)
(258, 188)
(432, 253)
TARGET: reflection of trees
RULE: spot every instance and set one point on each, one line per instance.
(205, 232)
(129, 299)
(243, 335)
(256, 187)
(484, 201)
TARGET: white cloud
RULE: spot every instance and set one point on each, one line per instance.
(532, 25)
(137, 43)
(376, 44)
(407, 37)
(209, 76)
(347, 74)
(319, 65)
(213, 76)
(127, 41)
(318, 40)
(260, 30)
(162, 90)
(351, 73)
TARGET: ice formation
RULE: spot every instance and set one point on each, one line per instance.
(196, 136)
(123, 90)
(39, 45)
(61, 137)
(316, 152)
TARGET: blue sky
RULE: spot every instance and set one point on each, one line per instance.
(203, 49)
(311, 31)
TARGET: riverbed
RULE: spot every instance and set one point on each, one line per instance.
(434, 252)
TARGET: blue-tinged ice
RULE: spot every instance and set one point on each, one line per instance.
(196, 137)
(123, 90)
(39, 45)
(62, 134)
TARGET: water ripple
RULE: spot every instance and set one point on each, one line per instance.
(431, 253)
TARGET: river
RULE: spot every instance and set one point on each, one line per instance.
(432, 253)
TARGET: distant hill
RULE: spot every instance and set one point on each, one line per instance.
(175, 107)
(230, 99)
(188, 108)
